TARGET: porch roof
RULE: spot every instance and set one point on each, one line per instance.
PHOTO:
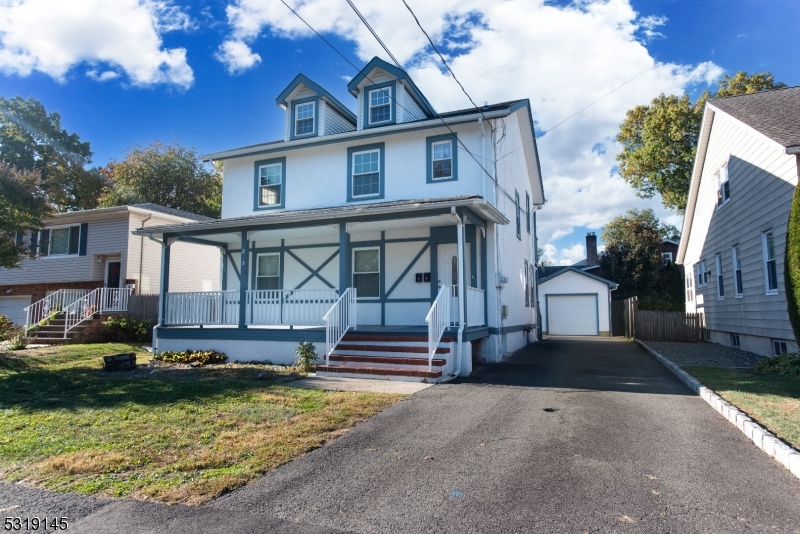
(361, 213)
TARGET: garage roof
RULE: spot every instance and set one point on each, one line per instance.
(612, 285)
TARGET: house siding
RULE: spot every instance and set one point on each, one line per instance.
(762, 181)
(407, 109)
(332, 122)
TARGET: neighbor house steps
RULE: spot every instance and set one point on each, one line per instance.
(387, 357)
(53, 332)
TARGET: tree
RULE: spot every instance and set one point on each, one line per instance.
(169, 175)
(659, 140)
(791, 271)
(23, 207)
(633, 260)
(33, 140)
(541, 260)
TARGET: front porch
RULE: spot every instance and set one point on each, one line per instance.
(417, 272)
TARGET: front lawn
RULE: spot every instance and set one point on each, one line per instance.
(770, 399)
(176, 436)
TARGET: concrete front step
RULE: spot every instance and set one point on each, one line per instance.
(381, 373)
(375, 347)
(386, 360)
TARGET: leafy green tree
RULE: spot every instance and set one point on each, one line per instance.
(659, 140)
(791, 271)
(33, 140)
(541, 260)
(633, 260)
(23, 207)
(169, 175)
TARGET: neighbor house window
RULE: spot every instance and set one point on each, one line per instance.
(778, 347)
(723, 187)
(380, 105)
(720, 281)
(61, 241)
(701, 273)
(268, 271)
(304, 118)
(516, 203)
(770, 267)
(366, 272)
(735, 341)
(737, 271)
(666, 256)
(269, 183)
(528, 211)
(689, 287)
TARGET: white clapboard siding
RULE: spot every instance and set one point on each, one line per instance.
(762, 181)
(334, 123)
(407, 108)
(572, 283)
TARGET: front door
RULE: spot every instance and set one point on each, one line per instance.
(113, 270)
(448, 274)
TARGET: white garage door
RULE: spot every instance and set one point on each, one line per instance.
(13, 308)
(572, 315)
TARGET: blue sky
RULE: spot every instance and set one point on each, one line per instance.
(169, 76)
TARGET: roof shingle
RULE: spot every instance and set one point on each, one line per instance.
(774, 113)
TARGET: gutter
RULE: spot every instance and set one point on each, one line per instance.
(793, 150)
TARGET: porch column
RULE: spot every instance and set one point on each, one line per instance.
(162, 298)
(461, 284)
(344, 238)
(243, 280)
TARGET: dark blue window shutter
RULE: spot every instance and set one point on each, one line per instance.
(18, 241)
(44, 245)
(34, 241)
(84, 235)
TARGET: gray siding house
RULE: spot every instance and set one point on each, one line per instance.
(84, 250)
(734, 232)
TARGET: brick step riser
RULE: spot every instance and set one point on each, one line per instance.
(383, 372)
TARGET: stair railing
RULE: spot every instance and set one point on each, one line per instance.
(46, 308)
(101, 300)
(438, 320)
(339, 319)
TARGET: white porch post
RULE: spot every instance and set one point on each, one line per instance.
(162, 299)
(461, 289)
(243, 280)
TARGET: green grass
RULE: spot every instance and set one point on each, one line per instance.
(770, 399)
(182, 436)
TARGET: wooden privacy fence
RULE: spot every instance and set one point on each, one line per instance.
(669, 326)
(144, 307)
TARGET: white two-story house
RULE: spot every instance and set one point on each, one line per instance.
(397, 239)
(734, 234)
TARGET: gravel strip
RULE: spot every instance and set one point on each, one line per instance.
(705, 354)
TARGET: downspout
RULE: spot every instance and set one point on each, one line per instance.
(498, 266)
(460, 334)
(141, 256)
(483, 154)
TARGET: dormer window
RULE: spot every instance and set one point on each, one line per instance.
(304, 119)
(380, 105)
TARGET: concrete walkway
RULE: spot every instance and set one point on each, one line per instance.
(568, 436)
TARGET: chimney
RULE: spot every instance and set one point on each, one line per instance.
(591, 249)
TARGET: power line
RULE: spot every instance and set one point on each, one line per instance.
(374, 34)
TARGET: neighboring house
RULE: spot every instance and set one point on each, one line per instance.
(734, 233)
(574, 302)
(590, 264)
(80, 251)
(383, 203)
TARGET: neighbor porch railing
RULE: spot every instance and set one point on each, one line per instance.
(339, 319)
(101, 300)
(475, 307)
(438, 320)
(44, 309)
(202, 308)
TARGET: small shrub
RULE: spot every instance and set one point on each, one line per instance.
(203, 357)
(17, 339)
(786, 364)
(127, 328)
(306, 356)
(6, 327)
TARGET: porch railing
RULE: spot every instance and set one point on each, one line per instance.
(454, 306)
(339, 319)
(295, 307)
(202, 308)
(101, 300)
(438, 320)
(475, 307)
(44, 309)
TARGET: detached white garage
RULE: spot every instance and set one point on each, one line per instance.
(14, 308)
(575, 303)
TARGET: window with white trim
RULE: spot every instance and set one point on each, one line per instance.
(723, 186)
(270, 184)
(366, 272)
(527, 287)
(736, 256)
(60, 241)
(778, 347)
(268, 271)
(720, 281)
(701, 274)
(441, 160)
(689, 287)
(528, 211)
(666, 256)
(366, 177)
(304, 118)
(380, 105)
(532, 285)
(519, 226)
(770, 265)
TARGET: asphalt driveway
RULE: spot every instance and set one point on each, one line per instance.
(567, 436)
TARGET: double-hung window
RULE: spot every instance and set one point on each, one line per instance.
(380, 105)
(689, 287)
(528, 211)
(737, 271)
(269, 183)
(770, 267)
(723, 187)
(532, 285)
(61, 241)
(779, 347)
(366, 272)
(268, 271)
(527, 286)
(304, 118)
(701, 274)
(720, 281)
(366, 173)
(519, 226)
(442, 160)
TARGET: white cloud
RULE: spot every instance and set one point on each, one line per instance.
(125, 35)
(562, 58)
(648, 26)
(237, 56)
(564, 256)
(102, 76)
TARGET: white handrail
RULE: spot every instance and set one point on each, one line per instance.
(339, 319)
(101, 300)
(438, 320)
(54, 303)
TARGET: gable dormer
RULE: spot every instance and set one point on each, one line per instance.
(311, 111)
(387, 95)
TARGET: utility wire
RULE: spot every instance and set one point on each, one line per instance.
(374, 34)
